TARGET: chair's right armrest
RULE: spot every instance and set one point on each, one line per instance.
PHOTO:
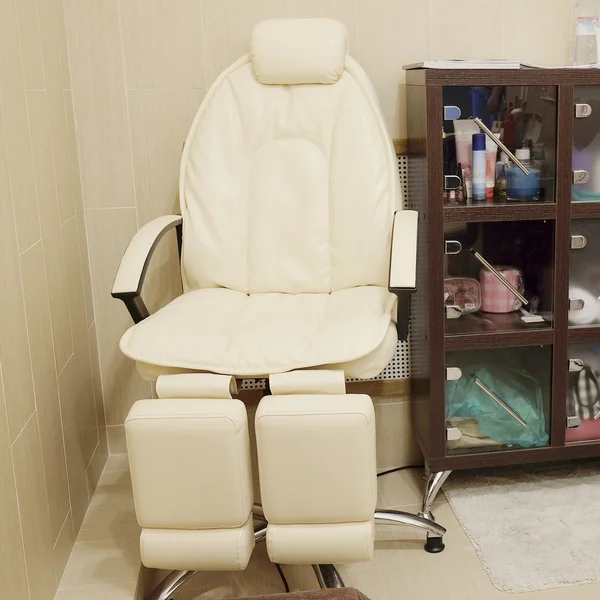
(134, 264)
(403, 265)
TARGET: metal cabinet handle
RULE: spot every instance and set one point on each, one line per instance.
(576, 304)
(453, 311)
(575, 365)
(452, 247)
(453, 373)
(573, 422)
(452, 113)
(580, 177)
(453, 434)
(498, 400)
(578, 242)
(452, 182)
(582, 111)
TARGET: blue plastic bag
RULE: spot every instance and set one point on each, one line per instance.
(521, 392)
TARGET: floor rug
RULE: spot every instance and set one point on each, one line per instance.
(533, 528)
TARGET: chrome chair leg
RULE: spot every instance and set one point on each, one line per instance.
(174, 580)
(397, 517)
(328, 577)
(170, 584)
(433, 486)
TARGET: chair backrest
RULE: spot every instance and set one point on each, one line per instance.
(289, 179)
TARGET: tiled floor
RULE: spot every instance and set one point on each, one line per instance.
(401, 569)
(104, 563)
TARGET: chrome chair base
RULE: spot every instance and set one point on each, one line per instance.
(434, 482)
(327, 575)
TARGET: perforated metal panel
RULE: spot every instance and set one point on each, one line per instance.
(399, 368)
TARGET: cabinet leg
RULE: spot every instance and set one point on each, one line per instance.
(433, 485)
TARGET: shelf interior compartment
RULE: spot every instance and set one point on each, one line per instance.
(498, 399)
(523, 252)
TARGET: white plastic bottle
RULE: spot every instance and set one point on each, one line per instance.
(585, 50)
(479, 167)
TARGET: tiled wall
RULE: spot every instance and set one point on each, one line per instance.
(140, 68)
(52, 430)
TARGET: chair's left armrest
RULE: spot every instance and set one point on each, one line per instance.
(403, 265)
(134, 264)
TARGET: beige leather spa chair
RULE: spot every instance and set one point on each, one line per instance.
(296, 257)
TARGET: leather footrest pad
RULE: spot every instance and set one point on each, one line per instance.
(190, 463)
(204, 550)
(308, 382)
(321, 544)
(316, 457)
(196, 385)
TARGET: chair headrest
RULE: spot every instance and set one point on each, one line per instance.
(296, 51)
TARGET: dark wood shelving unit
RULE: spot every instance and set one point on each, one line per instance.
(499, 212)
(432, 335)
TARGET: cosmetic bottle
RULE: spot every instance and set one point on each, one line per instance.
(479, 167)
(491, 153)
(521, 187)
(501, 176)
(461, 195)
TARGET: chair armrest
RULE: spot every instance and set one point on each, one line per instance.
(134, 264)
(403, 265)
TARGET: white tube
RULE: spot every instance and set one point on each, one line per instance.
(463, 134)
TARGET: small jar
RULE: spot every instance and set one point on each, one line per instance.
(521, 187)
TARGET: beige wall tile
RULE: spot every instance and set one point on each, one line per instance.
(33, 510)
(31, 44)
(160, 122)
(14, 349)
(71, 395)
(62, 548)
(163, 43)
(116, 439)
(98, 396)
(65, 157)
(20, 163)
(37, 310)
(549, 42)
(86, 413)
(37, 104)
(457, 30)
(54, 44)
(100, 102)
(96, 466)
(345, 11)
(11, 66)
(102, 562)
(396, 445)
(227, 27)
(387, 41)
(109, 234)
(13, 576)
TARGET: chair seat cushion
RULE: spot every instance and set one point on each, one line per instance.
(225, 331)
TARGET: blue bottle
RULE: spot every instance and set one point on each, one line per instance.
(521, 187)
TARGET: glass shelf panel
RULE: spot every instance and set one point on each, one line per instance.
(498, 399)
(475, 300)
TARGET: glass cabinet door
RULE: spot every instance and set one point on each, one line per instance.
(496, 399)
(584, 273)
(498, 276)
(586, 145)
(583, 393)
(524, 119)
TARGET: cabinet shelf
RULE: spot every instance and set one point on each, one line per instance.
(585, 210)
(482, 213)
(584, 334)
(499, 339)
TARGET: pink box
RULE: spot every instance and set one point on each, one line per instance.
(495, 296)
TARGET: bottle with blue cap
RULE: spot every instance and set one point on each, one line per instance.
(479, 167)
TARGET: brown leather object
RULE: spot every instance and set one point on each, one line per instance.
(334, 594)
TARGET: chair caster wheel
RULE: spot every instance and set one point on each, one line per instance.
(434, 545)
